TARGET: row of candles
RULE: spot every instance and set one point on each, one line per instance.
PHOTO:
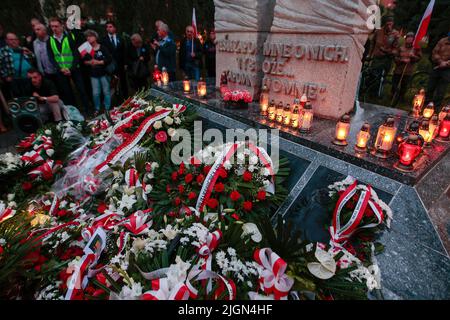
(162, 79)
(432, 126)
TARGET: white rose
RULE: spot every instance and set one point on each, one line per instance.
(157, 125)
(168, 120)
(138, 244)
(11, 196)
(48, 132)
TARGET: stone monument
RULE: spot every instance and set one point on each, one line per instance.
(313, 47)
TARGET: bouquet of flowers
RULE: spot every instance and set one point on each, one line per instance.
(237, 98)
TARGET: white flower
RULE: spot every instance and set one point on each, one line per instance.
(2, 242)
(252, 229)
(155, 165)
(168, 120)
(148, 188)
(12, 204)
(253, 160)
(157, 125)
(138, 244)
(129, 293)
(251, 168)
(170, 233)
(50, 152)
(325, 268)
(264, 172)
(127, 201)
(11, 196)
(172, 132)
(48, 132)
(177, 272)
(177, 120)
(227, 165)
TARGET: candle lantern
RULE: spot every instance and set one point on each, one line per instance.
(445, 110)
(424, 131)
(295, 116)
(307, 118)
(342, 130)
(165, 77)
(428, 111)
(264, 101)
(408, 151)
(287, 115)
(385, 139)
(272, 111)
(201, 88)
(418, 102)
(433, 126)
(444, 129)
(157, 76)
(303, 100)
(186, 85)
(223, 83)
(280, 110)
(363, 138)
(413, 127)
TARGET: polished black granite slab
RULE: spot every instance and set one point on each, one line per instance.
(322, 134)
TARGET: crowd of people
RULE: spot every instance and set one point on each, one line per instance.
(387, 47)
(59, 66)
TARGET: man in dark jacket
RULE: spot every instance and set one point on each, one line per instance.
(191, 55)
(210, 54)
(117, 46)
(166, 52)
(64, 55)
(138, 57)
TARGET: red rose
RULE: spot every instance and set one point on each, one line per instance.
(247, 176)
(189, 177)
(223, 173)
(235, 217)
(192, 195)
(174, 176)
(200, 179)
(212, 203)
(1, 250)
(102, 208)
(219, 187)
(235, 196)
(182, 168)
(161, 136)
(177, 201)
(62, 213)
(26, 186)
(261, 196)
(168, 189)
(180, 188)
(206, 170)
(248, 206)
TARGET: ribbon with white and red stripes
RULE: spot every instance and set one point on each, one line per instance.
(132, 178)
(45, 170)
(125, 147)
(340, 233)
(226, 155)
(273, 279)
(32, 157)
(137, 223)
(202, 275)
(162, 291)
(5, 213)
(80, 277)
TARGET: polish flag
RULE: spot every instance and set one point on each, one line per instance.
(423, 28)
(85, 48)
(194, 23)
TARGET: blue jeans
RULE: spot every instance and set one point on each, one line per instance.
(192, 71)
(101, 85)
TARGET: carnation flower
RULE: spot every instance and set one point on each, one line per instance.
(235, 195)
(248, 206)
(247, 176)
(161, 136)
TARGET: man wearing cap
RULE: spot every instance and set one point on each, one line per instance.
(406, 56)
(440, 76)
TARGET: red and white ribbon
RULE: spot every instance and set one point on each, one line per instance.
(125, 147)
(32, 157)
(132, 178)
(162, 291)
(273, 279)
(45, 171)
(340, 233)
(202, 275)
(5, 213)
(226, 155)
(137, 223)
